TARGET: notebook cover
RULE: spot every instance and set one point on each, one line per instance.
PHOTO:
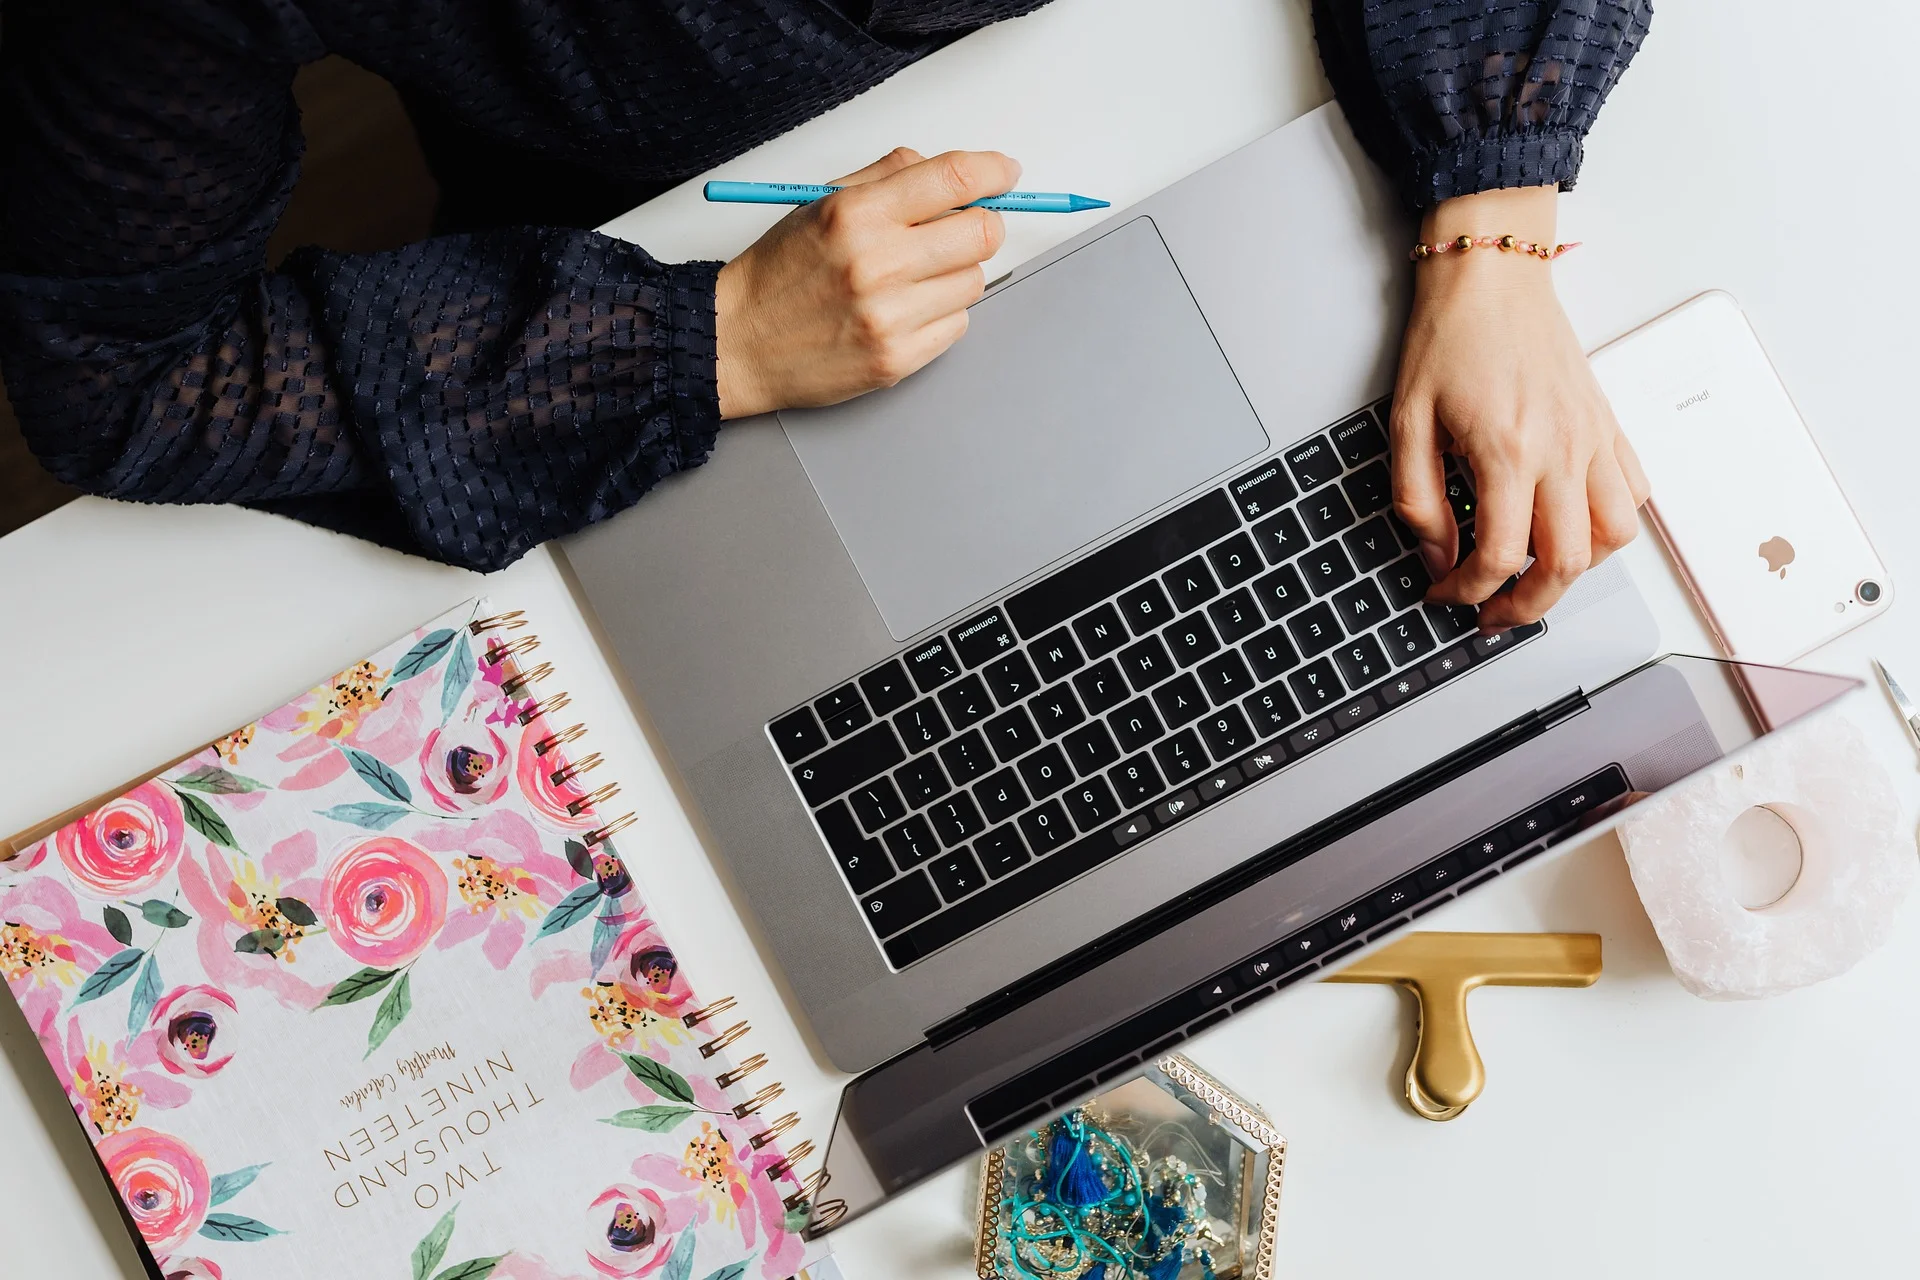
(346, 994)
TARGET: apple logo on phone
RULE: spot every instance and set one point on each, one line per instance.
(1778, 553)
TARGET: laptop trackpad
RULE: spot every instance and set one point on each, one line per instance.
(1082, 397)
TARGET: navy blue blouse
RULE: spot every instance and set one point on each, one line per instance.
(477, 393)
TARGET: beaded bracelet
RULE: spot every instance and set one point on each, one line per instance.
(1506, 244)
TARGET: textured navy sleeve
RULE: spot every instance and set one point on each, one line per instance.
(464, 398)
(1454, 97)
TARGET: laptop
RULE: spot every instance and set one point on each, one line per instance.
(1085, 677)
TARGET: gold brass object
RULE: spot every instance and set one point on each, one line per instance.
(1446, 1073)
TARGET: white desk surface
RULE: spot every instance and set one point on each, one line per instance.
(1627, 1129)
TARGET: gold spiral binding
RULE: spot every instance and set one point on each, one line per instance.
(822, 1214)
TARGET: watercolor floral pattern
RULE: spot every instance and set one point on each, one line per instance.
(396, 818)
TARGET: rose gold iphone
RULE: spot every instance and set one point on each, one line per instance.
(1752, 514)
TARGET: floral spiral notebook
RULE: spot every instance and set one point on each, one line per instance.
(364, 989)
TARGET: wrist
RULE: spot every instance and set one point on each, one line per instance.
(1529, 214)
(735, 371)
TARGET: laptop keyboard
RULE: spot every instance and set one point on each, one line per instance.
(1120, 695)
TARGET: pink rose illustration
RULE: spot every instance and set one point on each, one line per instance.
(631, 1232)
(549, 798)
(198, 1030)
(464, 766)
(384, 900)
(162, 1182)
(189, 1269)
(126, 846)
(645, 968)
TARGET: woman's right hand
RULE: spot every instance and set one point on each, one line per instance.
(860, 289)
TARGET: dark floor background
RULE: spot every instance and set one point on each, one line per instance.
(363, 186)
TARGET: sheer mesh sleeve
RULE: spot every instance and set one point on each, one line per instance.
(465, 398)
(1459, 96)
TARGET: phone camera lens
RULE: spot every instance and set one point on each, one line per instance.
(1868, 591)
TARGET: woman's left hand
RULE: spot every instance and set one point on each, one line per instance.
(1491, 371)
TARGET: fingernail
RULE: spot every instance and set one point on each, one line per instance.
(1435, 557)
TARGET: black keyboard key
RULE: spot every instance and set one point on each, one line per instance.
(1056, 711)
(797, 735)
(1372, 544)
(1146, 663)
(1100, 632)
(1045, 771)
(1407, 638)
(1315, 631)
(1359, 438)
(956, 875)
(983, 638)
(1325, 513)
(1437, 876)
(1460, 496)
(1191, 584)
(1466, 546)
(1401, 687)
(1448, 664)
(1226, 733)
(1011, 679)
(1271, 710)
(1001, 796)
(847, 764)
(1326, 568)
(1344, 924)
(862, 863)
(1302, 947)
(1406, 583)
(1313, 463)
(1531, 825)
(1282, 592)
(1316, 687)
(966, 703)
(1360, 607)
(1101, 688)
(1396, 897)
(1307, 737)
(1001, 851)
(1190, 639)
(1012, 734)
(1135, 725)
(1235, 617)
(877, 803)
(922, 781)
(921, 725)
(1146, 607)
(1281, 537)
(1181, 758)
(1235, 560)
(842, 723)
(1137, 780)
(1484, 850)
(1180, 701)
(1055, 654)
(911, 843)
(1219, 783)
(955, 819)
(900, 904)
(1143, 553)
(966, 757)
(1351, 715)
(845, 698)
(1090, 747)
(1091, 803)
(1500, 641)
(1262, 763)
(1225, 677)
(1271, 653)
(1578, 801)
(932, 664)
(1262, 490)
(1046, 828)
(1174, 808)
(1370, 489)
(886, 688)
(1135, 828)
(1451, 621)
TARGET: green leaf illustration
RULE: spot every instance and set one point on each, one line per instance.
(370, 814)
(459, 675)
(260, 942)
(657, 1118)
(113, 971)
(606, 932)
(472, 1268)
(379, 776)
(297, 911)
(228, 1185)
(146, 993)
(215, 781)
(118, 925)
(358, 986)
(433, 1246)
(202, 818)
(393, 1010)
(732, 1271)
(570, 910)
(680, 1265)
(797, 1219)
(164, 914)
(431, 648)
(580, 859)
(662, 1079)
(234, 1227)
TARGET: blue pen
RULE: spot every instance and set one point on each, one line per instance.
(808, 192)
